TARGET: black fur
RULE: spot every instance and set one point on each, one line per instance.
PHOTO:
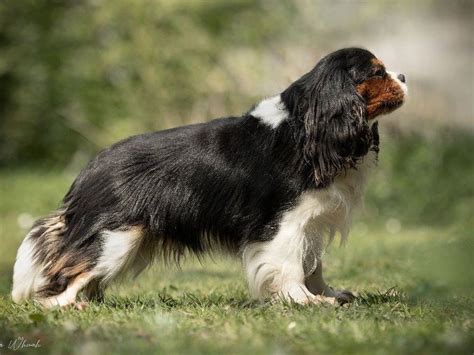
(227, 181)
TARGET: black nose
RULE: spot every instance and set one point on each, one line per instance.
(401, 77)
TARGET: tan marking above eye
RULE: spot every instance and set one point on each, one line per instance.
(377, 62)
(377, 65)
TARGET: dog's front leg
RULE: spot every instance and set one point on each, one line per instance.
(317, 286)
(275, 269)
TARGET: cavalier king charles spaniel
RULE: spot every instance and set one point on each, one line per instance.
(272, 186)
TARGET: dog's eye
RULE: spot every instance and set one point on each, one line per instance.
(379, 72)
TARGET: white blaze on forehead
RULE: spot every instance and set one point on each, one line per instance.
(271, 111)
(394, 76)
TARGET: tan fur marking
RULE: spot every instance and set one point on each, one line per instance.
(67, 268)
(68, 296)
(382, 95)
(377, 64)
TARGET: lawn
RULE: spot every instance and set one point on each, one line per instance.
(415, 286)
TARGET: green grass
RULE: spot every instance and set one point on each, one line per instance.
(415, 284)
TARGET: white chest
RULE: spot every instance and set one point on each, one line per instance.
(327, 211)
(294, 251)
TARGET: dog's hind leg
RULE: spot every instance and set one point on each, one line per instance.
(118, 251)
(68, 296)
(54, 271)
(67, 274)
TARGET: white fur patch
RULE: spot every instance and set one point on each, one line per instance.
(404, 86)
(278, 267)
(119, 249)
(271, 111)
(26, 273)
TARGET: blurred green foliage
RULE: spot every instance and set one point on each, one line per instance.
(424, 180)
(78, 75)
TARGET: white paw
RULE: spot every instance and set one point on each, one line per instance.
(301, 295)
(319, 299)
(80, 306)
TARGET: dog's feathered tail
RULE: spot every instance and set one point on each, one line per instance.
(30, 264)
(52, 269)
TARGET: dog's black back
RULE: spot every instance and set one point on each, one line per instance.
(224, 181)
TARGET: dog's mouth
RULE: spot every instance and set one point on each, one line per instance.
(375, 109)
(383, 95)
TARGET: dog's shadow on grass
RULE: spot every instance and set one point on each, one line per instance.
(185, 300)
(392, 295)
(241, 301)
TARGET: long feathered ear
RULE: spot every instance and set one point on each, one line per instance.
(336, 132)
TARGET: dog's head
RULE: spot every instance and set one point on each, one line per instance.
(336, 101)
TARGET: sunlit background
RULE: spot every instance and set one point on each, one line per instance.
(78, 75)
